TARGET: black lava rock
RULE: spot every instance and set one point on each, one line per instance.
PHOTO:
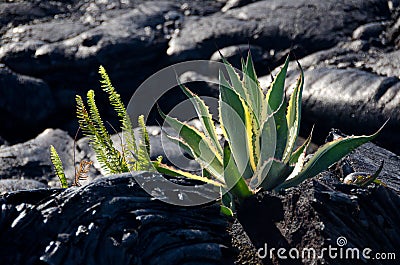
(111, 220)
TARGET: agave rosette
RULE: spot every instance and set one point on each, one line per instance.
(260, 132)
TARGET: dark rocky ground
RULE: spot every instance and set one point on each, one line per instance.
(110, 221)
(51, 50)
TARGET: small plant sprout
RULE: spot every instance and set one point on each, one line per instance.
(363, 179)
(260, 132)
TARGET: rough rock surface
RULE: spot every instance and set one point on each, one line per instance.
(77, 46)
(51, 50)
(276, 25)
(9, 185)
(316, 214)
(26, 101)
(367, 158)
(111, 220)
(60, 44)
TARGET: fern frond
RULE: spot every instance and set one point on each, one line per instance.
(104, 139)
(143, 162)
(111, 160)
(119, 107)
(96, 119)
(92, 126)
(58, 167)
(144, 135)
(90, 131)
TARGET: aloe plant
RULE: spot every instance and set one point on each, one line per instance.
(260, 130)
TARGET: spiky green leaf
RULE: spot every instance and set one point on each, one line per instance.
(182, 144)
(237, 84)
(257, 100)
(327, 155)
(234, 181)
(204, 116)
(164, 169)
(267, 140)
(235, 121)
(301, 149)
(202, 149)
(277, 103)
(206, 171)
(299, 164)
(271, 174)
(293, 116)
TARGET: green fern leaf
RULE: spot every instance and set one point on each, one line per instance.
(89, 130)
(92, 125)
(119, 107)
(143, 161)
(144, 135)
(58, 167)
(96, 119)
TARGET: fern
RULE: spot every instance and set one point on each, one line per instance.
(58, 167)
(90, 130)
(114, 157)
(143, 161)
(111, 160)
(134, 156)
(116, 102)
(96, 119)
(144, 135)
